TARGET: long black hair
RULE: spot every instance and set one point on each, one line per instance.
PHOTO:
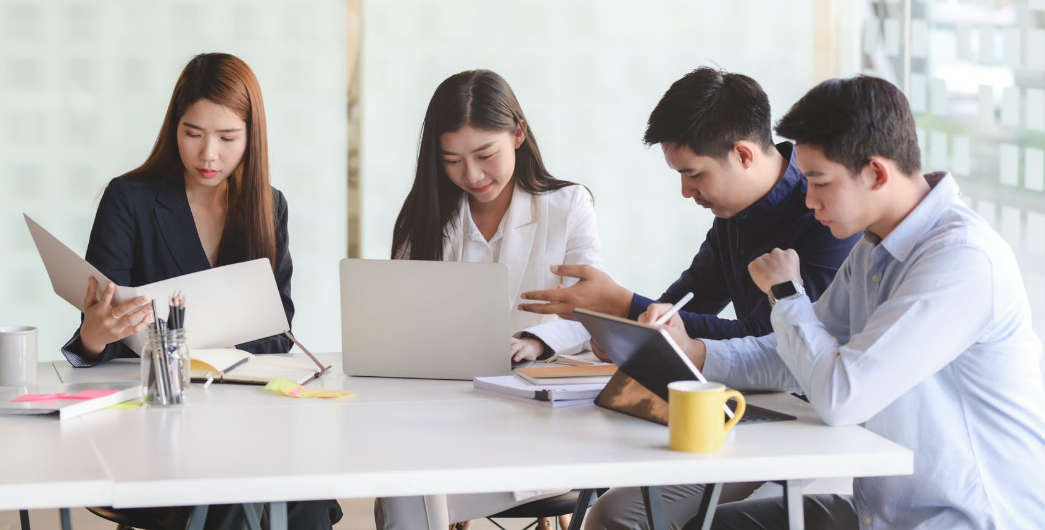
(480, 99)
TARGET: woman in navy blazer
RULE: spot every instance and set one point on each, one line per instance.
(200, 200)
(144, 232)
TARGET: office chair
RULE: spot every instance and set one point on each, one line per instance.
(561, 508)
(126, 519)
(148, 518)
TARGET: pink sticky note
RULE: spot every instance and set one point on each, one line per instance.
(39, 397)
(90, 394)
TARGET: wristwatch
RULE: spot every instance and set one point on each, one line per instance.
(784, 291)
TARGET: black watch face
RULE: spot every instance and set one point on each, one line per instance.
(784, 290)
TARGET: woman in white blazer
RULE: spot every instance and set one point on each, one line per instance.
(481, 193)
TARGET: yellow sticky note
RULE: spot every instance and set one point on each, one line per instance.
(278, 384)
(126, 405)
(291, 389)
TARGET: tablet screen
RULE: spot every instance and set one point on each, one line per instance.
(646, 353)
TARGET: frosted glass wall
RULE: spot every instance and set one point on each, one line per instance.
(974, 72)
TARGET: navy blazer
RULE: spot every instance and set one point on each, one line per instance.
(144, 233)
(719, 275)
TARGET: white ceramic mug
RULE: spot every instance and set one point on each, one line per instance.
(17, 355)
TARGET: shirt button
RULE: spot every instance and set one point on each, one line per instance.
(867, 521)
(874, 279)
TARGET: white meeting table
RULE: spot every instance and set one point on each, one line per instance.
(243, 444)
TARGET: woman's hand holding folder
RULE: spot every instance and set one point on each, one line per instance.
(104, 324)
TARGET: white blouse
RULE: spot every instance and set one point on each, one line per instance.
(536, 232)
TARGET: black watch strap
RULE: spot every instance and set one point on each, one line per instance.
(785, 290)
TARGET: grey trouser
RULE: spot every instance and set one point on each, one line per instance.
(623, 508)
(436, 512)
(822, 512)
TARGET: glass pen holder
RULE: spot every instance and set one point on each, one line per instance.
(165, 368)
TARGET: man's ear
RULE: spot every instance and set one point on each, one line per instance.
(520, 134)
(879, 172)
(745, 154)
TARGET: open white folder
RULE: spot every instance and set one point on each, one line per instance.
(227, 305)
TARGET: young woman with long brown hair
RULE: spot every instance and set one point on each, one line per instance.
(201, 199)
(482, 194)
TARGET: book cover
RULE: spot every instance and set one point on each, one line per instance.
(66, 401)
(563, 375)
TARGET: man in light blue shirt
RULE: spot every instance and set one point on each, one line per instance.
(924, 337)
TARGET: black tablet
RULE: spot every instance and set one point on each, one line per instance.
(646, 353)
(648, 359)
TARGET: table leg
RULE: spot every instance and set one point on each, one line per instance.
(198, 517)
(708, 503)
(253, 513)
(67, 522)
(277, 516)
(583, 500)
(23, 515)
(654, 507)
(793, 503)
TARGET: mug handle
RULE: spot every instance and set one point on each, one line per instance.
(741, 407)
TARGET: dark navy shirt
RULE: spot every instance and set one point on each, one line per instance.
(718, 274)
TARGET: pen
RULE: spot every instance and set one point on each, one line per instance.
(674, 309)
(667, 316)
(162, 389)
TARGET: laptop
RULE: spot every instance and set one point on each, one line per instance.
(648, 360)
(425, 319)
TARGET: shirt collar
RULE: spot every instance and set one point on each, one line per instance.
(518, 214)
(792, 178)
(900, 242)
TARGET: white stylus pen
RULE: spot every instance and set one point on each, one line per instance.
(674, 309)
(667, 316)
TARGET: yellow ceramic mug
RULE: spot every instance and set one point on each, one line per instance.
(696, 420)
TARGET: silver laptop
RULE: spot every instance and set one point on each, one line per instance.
(424, 319)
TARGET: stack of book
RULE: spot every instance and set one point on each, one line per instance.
(551, 385)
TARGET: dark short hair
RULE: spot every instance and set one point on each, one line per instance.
(854, 119)
(709, 111)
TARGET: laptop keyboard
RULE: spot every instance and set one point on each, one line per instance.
(755, 414)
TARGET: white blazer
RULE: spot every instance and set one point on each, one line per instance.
(553, 228)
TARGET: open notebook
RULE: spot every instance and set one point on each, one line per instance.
(237, 366)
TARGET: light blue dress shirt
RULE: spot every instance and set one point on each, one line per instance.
(924, 338)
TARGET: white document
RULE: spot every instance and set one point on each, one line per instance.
(227, 305)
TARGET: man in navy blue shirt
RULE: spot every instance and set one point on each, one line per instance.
(714, 128)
